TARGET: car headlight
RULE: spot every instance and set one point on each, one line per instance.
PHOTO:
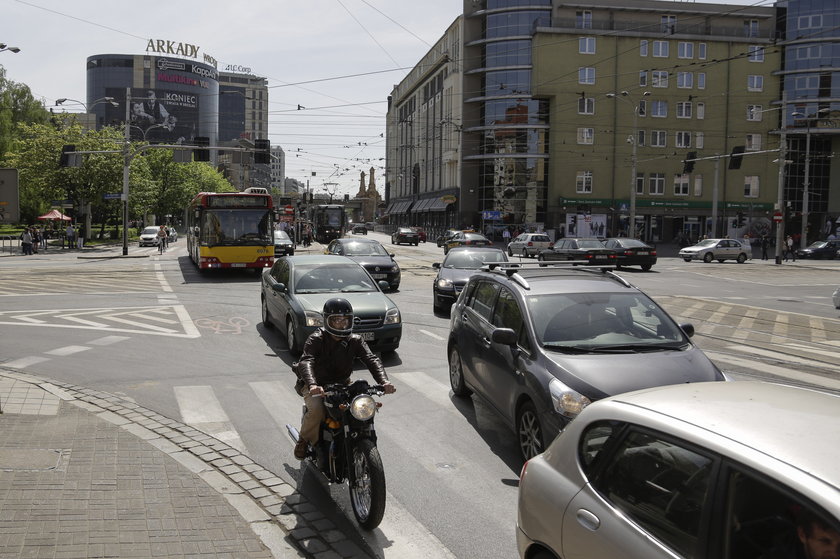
(395, 268)
(314, 319)
(392, 316)
(363, 407)
(444, 283)
(566, 401)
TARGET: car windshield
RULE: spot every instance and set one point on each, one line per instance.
(627, 243)
(474, 237)
(332, 278)
(707, 243)
(472, 259)
(818, 244)
(150, 231)
(281, 236)
(603, 322)
(364, 249)
(590, 243)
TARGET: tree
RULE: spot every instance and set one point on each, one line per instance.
(17, 106)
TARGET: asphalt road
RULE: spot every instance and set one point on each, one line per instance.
(191, 346)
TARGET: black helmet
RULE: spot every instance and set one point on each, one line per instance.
(338, 317)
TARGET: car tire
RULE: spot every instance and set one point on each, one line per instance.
(742, 258)
(291, 338)
(525, 253)
(510, 252)
(266, 315)
(708, 257)
(529, 431)
(721, 260)
(415, 244)
(687, 259)
(456, 374)
(647, 267)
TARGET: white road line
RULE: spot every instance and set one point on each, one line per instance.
(201, 409)
(431, 335)
(108, 340)
(67, 350)
(787, 358)
(782, 372)
(427, 386)
(25, 362)
(270, 393)
(824, 352)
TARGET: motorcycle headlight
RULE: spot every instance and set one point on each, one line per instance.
(363, 407)
(444, 283)
(392, 316)
(314, 319)
(565, 400)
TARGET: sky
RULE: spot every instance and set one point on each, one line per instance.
(340, 131)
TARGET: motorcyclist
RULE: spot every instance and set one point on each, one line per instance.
(328, 357)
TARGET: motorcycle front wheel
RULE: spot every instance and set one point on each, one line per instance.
(367, 484)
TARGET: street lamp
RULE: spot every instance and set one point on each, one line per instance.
(95, 102)
(634, 140)
(145, 131)
(3, 47)
(803, 241)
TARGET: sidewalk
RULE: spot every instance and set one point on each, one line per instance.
(87, 474)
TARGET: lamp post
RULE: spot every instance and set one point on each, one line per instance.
(4, 47)
(803, 238)
(634, 140)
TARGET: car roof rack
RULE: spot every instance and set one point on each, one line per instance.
(513, 270)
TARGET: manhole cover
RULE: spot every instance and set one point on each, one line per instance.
(30, 459)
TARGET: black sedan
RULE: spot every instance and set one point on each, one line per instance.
(405, 235)
(463, 239)
(371, 255)
(359, 229)
(283, 245)
(456, 269)
(819, 250)
(632, 252)
(592, 251)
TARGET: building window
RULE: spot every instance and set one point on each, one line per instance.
(755, 53)
(701, 111)
(660, 78)
(586, 75)
(685, 80)
(685, 50)
(660, 49)
(583, 182)
(751, 189)
(658, 138)
(750, 28)
(698, 185)
(755, 83)
(809, 22)
(585, 135)
(643, 78)
(683, 139)
(586, 106)
(656, 184)
(681, 185)
(643, 47)
(754, 113)
(640, 138)
(753, 142)
(642, 108)
(668, 24)
(701, 51)
(699, 140)
(583, 19)
(586, 45)
(701, 80)
(684, 109)
(640, 183)
(659, 109)
(811, 52)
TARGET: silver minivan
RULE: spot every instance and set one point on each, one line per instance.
(529, 245)
(738, 470)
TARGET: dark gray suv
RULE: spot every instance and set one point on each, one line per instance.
(538, 344)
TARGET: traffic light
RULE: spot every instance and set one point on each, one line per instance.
(262, 152)
(741, 220)
(65, 159)
(688, 165)
(201, 153)
(735, 157)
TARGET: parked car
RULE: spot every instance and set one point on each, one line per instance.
(820, 250)
(283, 244)
(172, 234)
(462, 238)
(359, 229)
(421, 233)
(689, 471)
(372, 256)
(149, 237)
(590, 250)
(294, 290)
(717, 249)
(540, 343)
(528, 245)
(405, 235)
(632, 252)
(448, 234)
(460, 263)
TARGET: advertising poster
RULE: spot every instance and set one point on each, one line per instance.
(586, 225)
(158, 116)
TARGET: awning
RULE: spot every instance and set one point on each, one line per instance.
(400, 207)
(421, 205)
(438, 205)
(55, 214)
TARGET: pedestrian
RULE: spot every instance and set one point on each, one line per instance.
(80, 238)
(789, 249)
(70, 235)
(26, 242)
(36, 239)
(506, 235)
(764, 244)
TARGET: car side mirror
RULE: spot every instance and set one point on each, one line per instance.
(383, 285)
(278, 287)
(436, 265)
(391, 254)
(504, 336)
(688, 329)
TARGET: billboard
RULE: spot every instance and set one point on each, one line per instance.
(9, 200)
(158, 116)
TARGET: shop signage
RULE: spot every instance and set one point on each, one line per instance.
(176, 48)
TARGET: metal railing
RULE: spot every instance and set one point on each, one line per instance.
(10, 244)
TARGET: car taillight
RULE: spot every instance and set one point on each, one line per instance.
(467, 242)
(653, 253)
(550, 245)
(530, 243)
(628, 253)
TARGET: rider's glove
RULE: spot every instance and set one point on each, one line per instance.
(389, 388)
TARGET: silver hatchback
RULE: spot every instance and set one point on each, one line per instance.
(704, 470)
(529, 245)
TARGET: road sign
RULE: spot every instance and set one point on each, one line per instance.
(289, 210)
(777, 217)
(491, 214)
(117, 196)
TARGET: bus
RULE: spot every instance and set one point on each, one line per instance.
(328, 222)
(231, 229)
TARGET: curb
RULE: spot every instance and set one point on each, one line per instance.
(286, 523)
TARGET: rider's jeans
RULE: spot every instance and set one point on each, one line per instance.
(314, 416)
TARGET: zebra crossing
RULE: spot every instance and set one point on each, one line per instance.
(39, 282)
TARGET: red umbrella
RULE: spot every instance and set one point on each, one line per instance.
(55, 214)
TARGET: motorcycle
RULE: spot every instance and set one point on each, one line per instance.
(346, 450)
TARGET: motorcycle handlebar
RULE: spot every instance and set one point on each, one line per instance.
(373, 390)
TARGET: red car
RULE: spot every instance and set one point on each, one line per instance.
(420, 232)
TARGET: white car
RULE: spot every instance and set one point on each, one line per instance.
(149, 237)
(717, 249)
(528, 244)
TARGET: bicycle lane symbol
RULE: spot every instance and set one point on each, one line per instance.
(232, 326)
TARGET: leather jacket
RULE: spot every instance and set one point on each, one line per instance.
(326, 360)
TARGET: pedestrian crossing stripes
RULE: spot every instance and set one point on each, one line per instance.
(57, 281)
(161, 320)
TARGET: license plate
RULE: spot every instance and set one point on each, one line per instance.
(366, 336)
(643, 253)
(379, 276)
(238, 265)
(600, 257)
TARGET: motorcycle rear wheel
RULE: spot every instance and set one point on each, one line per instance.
(367, 484)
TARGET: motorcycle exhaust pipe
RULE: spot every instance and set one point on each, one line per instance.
(294, 434)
